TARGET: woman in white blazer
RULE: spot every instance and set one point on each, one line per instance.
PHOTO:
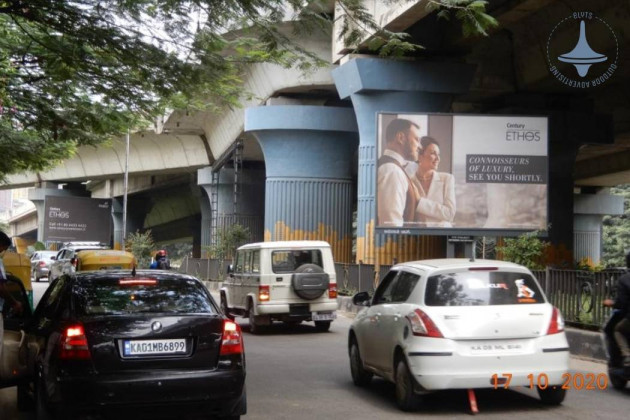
(436, 205)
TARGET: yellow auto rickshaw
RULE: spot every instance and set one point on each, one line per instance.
(104, 259)
(19, 265)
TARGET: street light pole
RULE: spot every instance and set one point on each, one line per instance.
(125, 187)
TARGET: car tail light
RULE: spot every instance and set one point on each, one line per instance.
(332, 290)
(42, 264)
(422, 325)
(74, 345)
(74, 262)
(556, 325)
(232, 340)
(263, 293)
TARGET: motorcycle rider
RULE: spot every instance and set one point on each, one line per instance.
(622, 304)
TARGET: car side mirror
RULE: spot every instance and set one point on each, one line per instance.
(361, 299)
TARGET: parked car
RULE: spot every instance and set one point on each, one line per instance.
(64, 262)
(124, 341)
(290, 281)
(40, 263)
(456, 323)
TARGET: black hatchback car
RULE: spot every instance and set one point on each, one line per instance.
(128, 343)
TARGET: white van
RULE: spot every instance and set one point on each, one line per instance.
(289, 281)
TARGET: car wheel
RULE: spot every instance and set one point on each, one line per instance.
(225, 309)
(24, 400)
(406, 399)
(617, 381)
(322, 326)
(254, 328)
(552, 395)
(360, 376)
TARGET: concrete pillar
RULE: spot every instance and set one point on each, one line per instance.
(308, 155)
(377, 85)
(117, 219)
(589, 210)
(136, 212)
(249, 210)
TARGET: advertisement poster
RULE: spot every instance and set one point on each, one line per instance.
(456, 174)
(77, 219)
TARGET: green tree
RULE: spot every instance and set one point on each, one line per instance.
(141, 245)
(76, 72)
(616, 232)
(526, 249)
(228, 240)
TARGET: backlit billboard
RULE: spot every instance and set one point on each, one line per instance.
(461, 174)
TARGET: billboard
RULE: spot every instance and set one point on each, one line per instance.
(449, 174)
(77, 219)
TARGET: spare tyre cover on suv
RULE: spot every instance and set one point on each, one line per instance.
(309, 281)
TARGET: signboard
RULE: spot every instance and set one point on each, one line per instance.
(77, 219)
(449, 174)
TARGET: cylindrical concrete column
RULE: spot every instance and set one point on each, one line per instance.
(308, 155)
(377, 85)
(250, 200)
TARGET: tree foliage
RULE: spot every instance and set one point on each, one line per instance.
(526, 249)
(141, 245)
(228, 240)
(616, 241)
(76, 72)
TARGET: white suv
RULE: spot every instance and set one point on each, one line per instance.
(290, 281)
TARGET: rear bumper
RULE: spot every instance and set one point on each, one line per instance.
(545, 359)
(284, 308)
(216, 392)
(41, 272)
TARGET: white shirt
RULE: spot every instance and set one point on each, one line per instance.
(392, 185)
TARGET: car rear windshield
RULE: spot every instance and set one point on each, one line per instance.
(482, 288)
(288, 261)
(115, 296)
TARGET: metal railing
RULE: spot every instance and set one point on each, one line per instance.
(577, 294)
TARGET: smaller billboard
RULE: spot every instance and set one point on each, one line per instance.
(449, 174)
(77, 219)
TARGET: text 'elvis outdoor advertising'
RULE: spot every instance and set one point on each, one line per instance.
(453, 174)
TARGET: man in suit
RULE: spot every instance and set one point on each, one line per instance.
(397, 197)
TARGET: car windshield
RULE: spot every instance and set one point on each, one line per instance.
(115, 296)
(482, 288)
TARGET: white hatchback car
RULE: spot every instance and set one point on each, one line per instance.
(457, 323)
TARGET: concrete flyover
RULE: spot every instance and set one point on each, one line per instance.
(190, 154)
